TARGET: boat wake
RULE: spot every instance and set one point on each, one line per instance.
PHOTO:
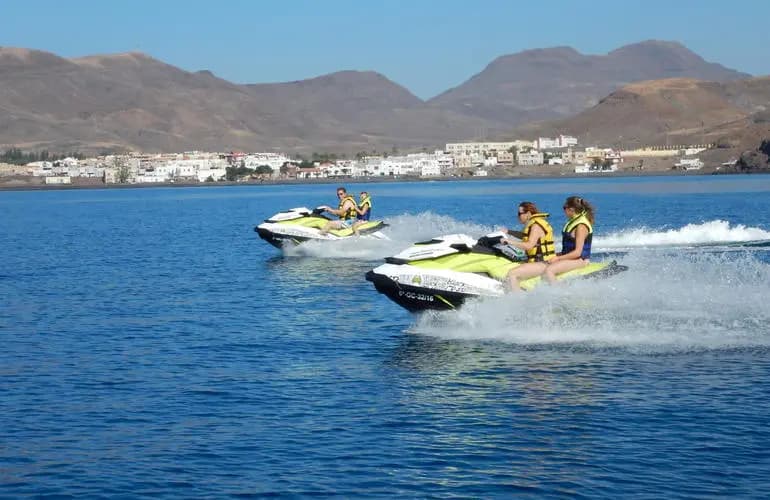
(717, 233)
(663, 303)
(402, 231)
(405, 230)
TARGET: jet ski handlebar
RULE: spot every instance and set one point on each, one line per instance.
(490, 240)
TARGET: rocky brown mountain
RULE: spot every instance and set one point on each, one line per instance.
(733, 117)
(557, 82)
(669, 111)
(132, 101)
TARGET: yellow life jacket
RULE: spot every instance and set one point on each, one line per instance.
(365, 203)
(568, 242)
(351, 212)
(544, 250)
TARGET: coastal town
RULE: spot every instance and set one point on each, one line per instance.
(461, 159)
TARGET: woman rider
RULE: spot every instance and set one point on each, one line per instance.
(536, 241)
(364, 211)
(576, 238)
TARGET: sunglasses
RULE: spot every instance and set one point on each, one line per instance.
(340, 194)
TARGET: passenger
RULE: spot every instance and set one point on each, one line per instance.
(576, 238)
(363, 211)
(346, 211)
(536, 241)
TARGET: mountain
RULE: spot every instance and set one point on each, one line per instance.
(363, 105)
(549, 83)
(668, 111)
(124, 100)
(133, 101)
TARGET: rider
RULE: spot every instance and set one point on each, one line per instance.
(536, 241)
(576, 238)
(363, 211)
(346, 211)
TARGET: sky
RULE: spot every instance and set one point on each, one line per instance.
(426, 46)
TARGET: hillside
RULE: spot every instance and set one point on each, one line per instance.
(137, 102)
(557, 82)
(133, 101)
(669, 111)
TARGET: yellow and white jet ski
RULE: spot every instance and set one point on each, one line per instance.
(301, 224)
(443, 272)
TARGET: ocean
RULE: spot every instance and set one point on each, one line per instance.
(153, 345)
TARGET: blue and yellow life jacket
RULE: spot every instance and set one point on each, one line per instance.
(365, 203)
(568, 242)
(351, 212)
(544, 250)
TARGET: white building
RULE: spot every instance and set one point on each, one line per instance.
(445, 161)
(418, 164)
(272, 160)
(587, 169)
(533, 157)
(467, 161)
(582, 169)
(58, 179)
(469, 148)
(689, 164)
(148, 178)
(547, 143)
(566, 141)
(41, 168)
(562, 141)
(217, 174)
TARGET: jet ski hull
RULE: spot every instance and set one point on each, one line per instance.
(444, 272)
(416, 298)
(415, 295)
(299, 225)
(279, 239)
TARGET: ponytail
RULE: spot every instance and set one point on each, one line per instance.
(581, 205)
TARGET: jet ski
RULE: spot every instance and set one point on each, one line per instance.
(445, 271)
(301, 224)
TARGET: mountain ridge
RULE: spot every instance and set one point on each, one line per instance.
(561, 81)
(668, 111)
(134, 101)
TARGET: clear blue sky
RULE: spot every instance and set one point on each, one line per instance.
(426, 46)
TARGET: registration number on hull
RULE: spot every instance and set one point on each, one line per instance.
(416, 296)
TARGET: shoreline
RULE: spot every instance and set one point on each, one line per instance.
(365, 180)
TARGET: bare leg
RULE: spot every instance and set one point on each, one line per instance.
(332, 224)
(524, 271)
(563, 266)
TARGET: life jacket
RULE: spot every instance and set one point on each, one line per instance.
(351, 212)
(366, 202)
(544, 250)
(568, 242)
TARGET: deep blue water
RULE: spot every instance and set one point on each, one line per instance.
(154, 346)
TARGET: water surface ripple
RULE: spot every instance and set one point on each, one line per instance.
(153, 346)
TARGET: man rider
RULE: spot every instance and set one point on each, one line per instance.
(346, 211)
